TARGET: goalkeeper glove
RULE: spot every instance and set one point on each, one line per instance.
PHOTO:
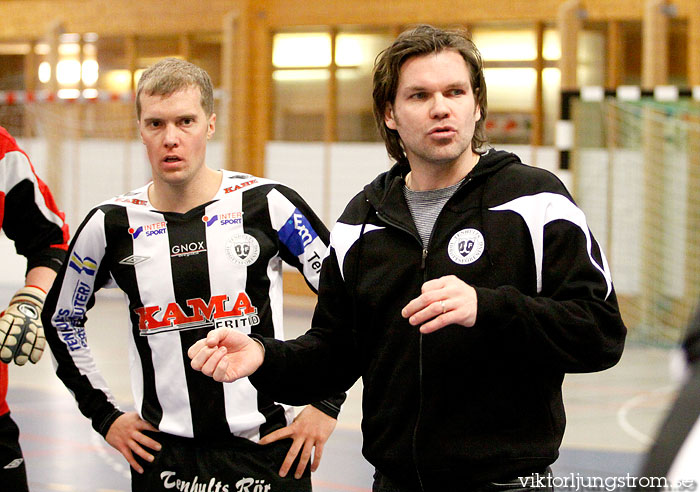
(21, 332)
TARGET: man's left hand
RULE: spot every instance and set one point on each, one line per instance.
(309, 431)
(443, 301)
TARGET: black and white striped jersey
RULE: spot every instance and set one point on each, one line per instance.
(220, 264)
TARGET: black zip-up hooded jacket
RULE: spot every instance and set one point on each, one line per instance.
(461, 406)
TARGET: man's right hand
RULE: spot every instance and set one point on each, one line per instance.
(126, 436)
(21, 333)
(226, 355)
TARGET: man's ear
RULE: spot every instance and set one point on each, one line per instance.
(211, 126)
(389, 120)
(477, 106)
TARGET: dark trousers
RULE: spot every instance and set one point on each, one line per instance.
(536, 482)
(231, 464)
(13, 473)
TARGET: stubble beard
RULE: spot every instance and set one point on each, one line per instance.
(441, 155)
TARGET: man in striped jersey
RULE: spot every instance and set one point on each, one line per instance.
(29, 216)
(193, 250)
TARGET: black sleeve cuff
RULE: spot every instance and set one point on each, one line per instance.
(52, 258)
(268, 373)
(331, 406)
(103, 425)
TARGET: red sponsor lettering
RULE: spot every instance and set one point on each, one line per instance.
(155, 226)
(146, 319)
(231, 189)
(231, 215)
(202, 311)
(174, 315)
(242, 305)
(135, 201)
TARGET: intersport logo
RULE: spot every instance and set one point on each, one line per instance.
(154, 229)
(225, 218)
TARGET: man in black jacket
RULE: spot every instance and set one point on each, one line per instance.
(461, 285)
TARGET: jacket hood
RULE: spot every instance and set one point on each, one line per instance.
(490, 163)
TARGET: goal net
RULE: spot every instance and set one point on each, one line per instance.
(637, 176)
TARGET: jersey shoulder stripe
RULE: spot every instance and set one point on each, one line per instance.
(343, 236)
(542, 208)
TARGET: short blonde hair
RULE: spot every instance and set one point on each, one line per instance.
(170, 75)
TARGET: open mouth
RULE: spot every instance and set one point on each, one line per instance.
(442, 130)
(171, 158)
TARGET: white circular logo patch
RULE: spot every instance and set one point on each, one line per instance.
(28, 310)
(242, 249)
(466, 246)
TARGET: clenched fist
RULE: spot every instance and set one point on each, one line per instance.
(21, 332)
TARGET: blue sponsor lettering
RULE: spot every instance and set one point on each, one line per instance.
(297, 233)
(70, 323)
(74, 339)
(70, 327)
(231, 221)
(81, 295)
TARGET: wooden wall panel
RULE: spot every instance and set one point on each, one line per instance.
(655, 44)
(259, 115)
(370, 12)
(28, 19)
(614, 73)
(569, 23)
(150, 17)
(694, 48)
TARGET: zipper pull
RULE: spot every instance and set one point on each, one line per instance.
(422, 260)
